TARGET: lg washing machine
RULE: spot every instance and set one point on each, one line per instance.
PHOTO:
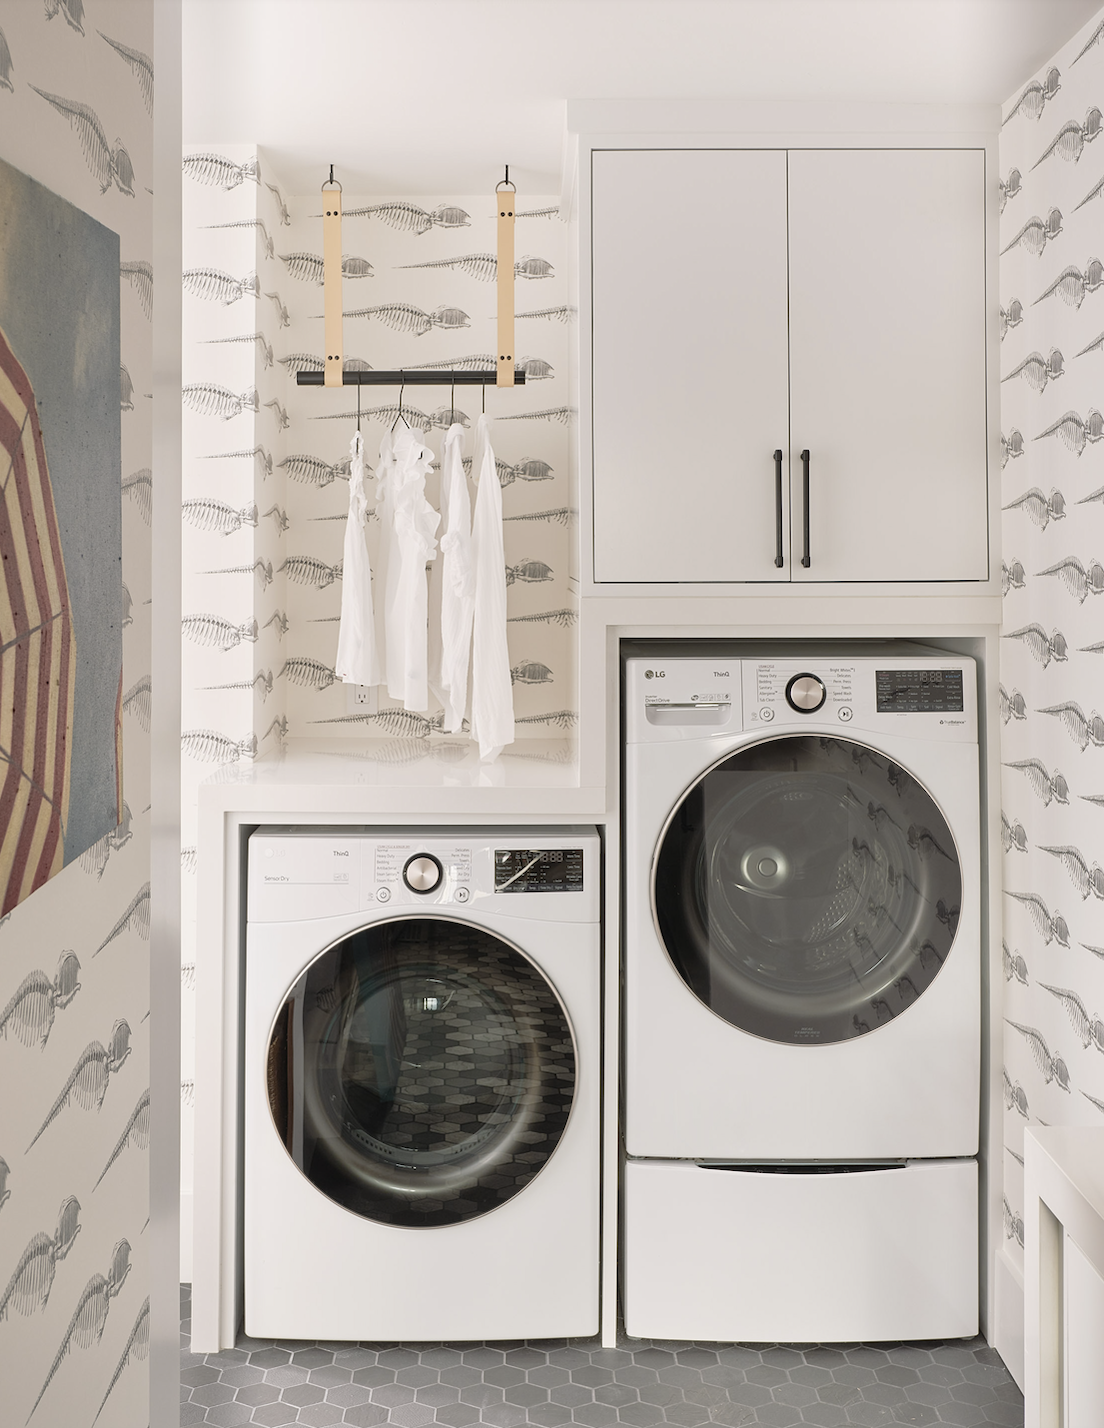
(421, 1083)
(802, 955)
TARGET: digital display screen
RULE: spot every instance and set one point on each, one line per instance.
(538, 870)
(919, 691)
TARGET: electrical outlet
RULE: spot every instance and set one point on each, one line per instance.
(361, 699)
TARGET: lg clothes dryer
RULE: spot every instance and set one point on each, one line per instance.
(421, 1083)
(802, 993)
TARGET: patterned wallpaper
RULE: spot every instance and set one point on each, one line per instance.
(76, 103)
(266, 466)
(419, 292)
(233, 516)
(1052, 660)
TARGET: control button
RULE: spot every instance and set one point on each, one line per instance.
(422, 873)
(766, 714)
(463, 894)
(383, 894)
(844, 714)
(806, 693)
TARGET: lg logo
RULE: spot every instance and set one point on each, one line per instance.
(655, 674)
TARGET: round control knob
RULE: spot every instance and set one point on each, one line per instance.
(422, 873)
(805, 693)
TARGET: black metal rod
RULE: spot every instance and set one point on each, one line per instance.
(778, 507)
(806, 559)
(410, 379)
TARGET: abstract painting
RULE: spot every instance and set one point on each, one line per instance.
(60, 535)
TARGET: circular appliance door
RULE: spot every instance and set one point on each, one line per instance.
(807, 889)
(421, 1072)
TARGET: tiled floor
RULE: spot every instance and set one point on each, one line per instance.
(556, 1382)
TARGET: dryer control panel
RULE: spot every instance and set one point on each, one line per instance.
(297, 873)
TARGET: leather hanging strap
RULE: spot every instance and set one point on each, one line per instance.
(331, 281)
(504, 201)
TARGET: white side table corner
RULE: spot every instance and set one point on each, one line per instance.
(1064, 1277)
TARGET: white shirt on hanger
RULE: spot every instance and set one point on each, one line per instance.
(492, 706)
(357, 659)
(410, 527)
(457, 584)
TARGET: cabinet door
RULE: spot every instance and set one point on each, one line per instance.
(887, 363)
(689, 378)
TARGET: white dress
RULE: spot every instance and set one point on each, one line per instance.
(357, 660)
(457, 583)
(492, 704)
(387, 560)
(411, 528)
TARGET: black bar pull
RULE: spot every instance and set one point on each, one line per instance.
(806, 559)
(778, 507)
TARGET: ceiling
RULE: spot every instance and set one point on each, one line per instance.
(433, 96)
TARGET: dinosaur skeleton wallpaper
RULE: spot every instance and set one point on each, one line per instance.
(1051, 717)
(76, 492)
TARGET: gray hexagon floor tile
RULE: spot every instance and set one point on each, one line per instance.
(562, 1383)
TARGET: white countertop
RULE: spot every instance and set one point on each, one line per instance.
(395, 775)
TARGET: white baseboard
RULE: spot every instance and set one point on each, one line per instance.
(186, 1239)
(1008, 1328)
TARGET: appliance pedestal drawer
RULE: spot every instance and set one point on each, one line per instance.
(800, 1254)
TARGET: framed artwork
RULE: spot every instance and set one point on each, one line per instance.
(61, 609)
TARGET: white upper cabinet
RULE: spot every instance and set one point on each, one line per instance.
(690, 394)
(828, 301)
(887, 361)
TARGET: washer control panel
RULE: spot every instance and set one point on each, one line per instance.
(928, 694)
(791, 692)
(924, 697)
(919, 691)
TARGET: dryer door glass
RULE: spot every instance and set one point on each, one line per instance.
(807, 890)
(421, 1072)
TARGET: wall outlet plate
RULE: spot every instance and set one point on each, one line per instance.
(361, 699)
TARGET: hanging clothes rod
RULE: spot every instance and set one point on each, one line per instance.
(505, 374)
(410, 379)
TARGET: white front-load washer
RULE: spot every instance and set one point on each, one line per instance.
(421, 1083)
(802, 992)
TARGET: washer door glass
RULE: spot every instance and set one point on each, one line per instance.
(807, 889)
(421, 1072)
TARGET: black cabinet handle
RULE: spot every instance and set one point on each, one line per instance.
(806, 559)
(778, 507)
